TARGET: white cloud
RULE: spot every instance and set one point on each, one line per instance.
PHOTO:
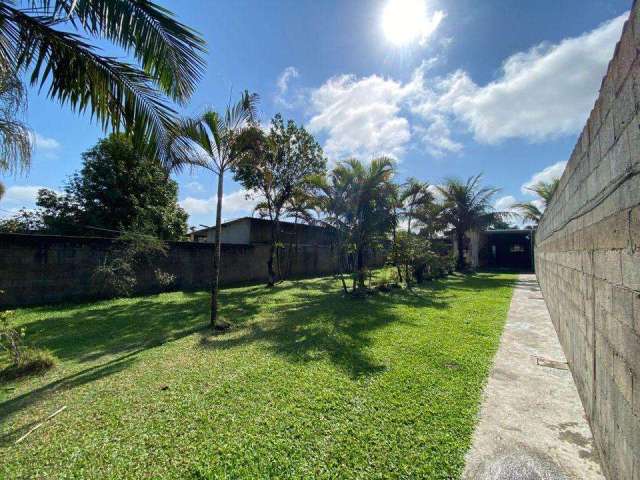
(238, 202)
(285, 77)
(47, 146)
(540, 94)
(362, 116)
(17, 197)
(194, 187)
(504, 204)
(545, 175)
(543, 93)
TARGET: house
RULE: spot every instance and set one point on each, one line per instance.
(257, 231)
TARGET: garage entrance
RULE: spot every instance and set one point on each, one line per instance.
(510, 249)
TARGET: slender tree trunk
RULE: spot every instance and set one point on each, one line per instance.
(272, 252)
(217, 257)
(395, 254)
(361, 266)
(461, 264)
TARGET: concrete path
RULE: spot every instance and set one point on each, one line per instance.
(532, 424)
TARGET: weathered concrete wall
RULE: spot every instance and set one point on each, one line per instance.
(38, 269)
(588, 261)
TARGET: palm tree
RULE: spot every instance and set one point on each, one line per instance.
(414, 195)
(215, 143)
(467, 206)
(358, 200)
(15, 138)
(532, 211)
(50, 41)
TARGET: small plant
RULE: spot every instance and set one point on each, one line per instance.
(164, 279)
(24, 360)
(10, 337)
(33, 361)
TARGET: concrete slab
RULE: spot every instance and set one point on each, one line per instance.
(532, 423)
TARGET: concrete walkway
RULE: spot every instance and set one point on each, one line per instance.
(532, 424)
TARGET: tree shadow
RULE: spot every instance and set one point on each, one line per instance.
(87, 333)
(327, 325)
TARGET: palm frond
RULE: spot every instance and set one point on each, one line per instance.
(167, 50)
(15, 137)
(117, 94)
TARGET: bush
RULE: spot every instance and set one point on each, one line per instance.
(33, 361)
(132, 254)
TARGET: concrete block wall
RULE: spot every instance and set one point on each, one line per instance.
(41, 269)
(588, 261)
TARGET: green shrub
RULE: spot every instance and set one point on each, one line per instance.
(33, 361)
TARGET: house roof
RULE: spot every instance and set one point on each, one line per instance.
(255, 220)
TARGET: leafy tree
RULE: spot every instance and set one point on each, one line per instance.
(25, 221)
(117, 189)
(467, 206)
(279, 169)
(51, 41)
(532, 211)
(358, 200)
(216, 143)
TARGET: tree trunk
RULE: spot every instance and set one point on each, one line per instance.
(361, 267)
(460, 264)
(272, 252)
(217, 257)
(395, 254)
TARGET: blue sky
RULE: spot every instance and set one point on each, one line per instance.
(455, 88)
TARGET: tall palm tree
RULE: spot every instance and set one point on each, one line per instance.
(215, 143)
(467, 206)
(532, 211)
(358, 200)
(50, 41)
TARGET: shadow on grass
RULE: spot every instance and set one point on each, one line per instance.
(327, 324)
(302, 321)
(87, 375)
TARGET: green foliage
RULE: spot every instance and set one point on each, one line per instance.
(133, 253)
(50, 40)
(309, 384)
(15, 138)
(33, 361)
(25, 221)
(359, 202)
(532, 211)
(216, 143)
(279, 168)
(117, 189)
(468, 205)
(11, 337)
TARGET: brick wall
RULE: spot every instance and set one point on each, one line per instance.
(588, 261)
(39, 269)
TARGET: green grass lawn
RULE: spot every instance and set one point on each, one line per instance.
(309, 384)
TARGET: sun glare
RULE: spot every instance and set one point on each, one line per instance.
(408, 21)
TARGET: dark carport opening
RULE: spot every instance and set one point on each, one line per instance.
(512, 249)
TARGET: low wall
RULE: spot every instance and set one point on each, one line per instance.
(40, 269)
(588, 261)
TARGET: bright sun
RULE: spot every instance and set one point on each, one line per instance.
(407, 21)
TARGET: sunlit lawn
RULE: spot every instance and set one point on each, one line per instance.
(308, 384)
